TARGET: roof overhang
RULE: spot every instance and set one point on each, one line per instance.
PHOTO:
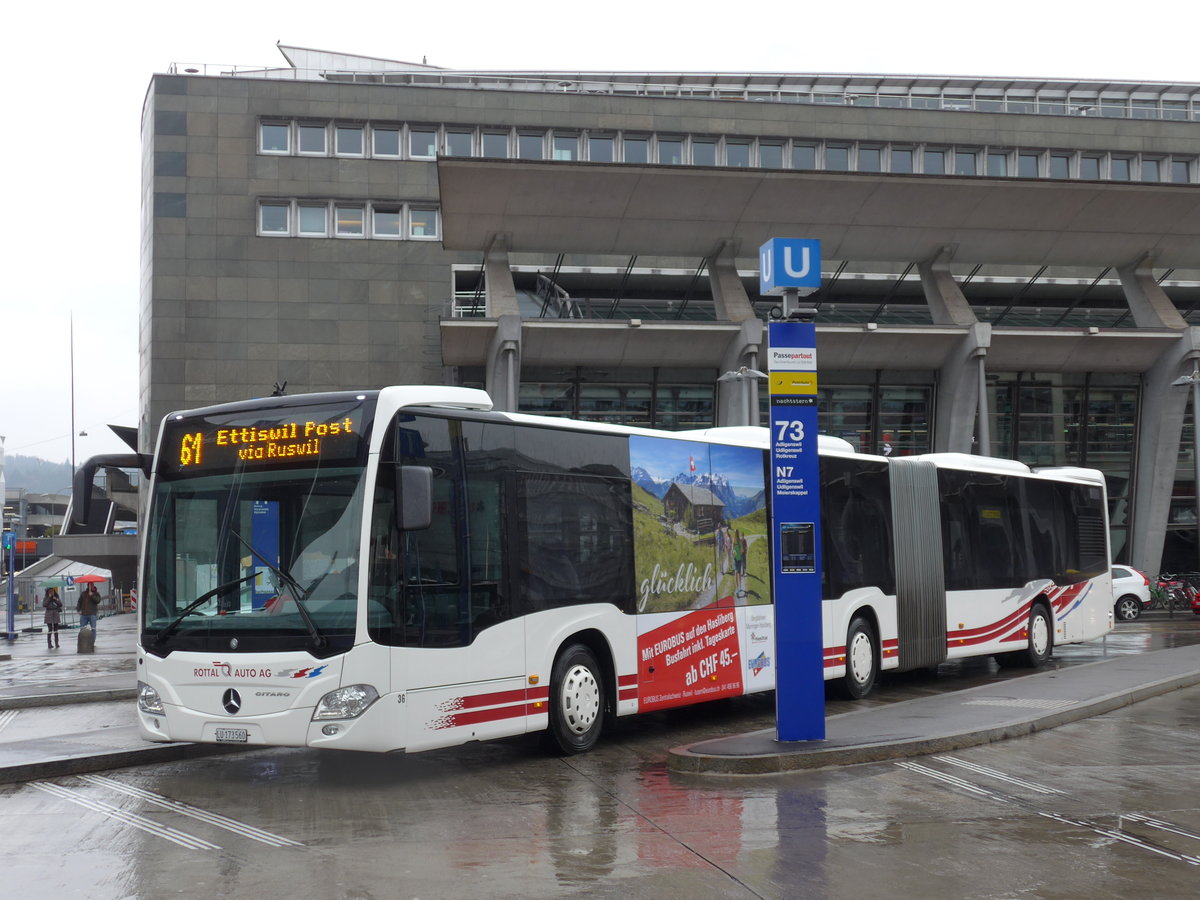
(626, 210)
(618, 344)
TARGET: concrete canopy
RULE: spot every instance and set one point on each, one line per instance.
(624, 209)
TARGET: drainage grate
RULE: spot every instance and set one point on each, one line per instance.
(1023, 704)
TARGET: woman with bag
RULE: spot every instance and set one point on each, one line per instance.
(53, 606)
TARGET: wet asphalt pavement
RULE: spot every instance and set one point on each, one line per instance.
(1101, 807)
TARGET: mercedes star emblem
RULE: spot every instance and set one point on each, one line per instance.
(232, 701)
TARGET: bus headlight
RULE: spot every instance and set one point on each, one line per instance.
(148, 700)
(348, 702)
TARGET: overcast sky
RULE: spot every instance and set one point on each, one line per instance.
(76, 77)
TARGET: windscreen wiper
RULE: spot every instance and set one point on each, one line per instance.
(299, 594)
(199, 601)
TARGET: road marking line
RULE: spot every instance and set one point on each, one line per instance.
(194, 812)
(951, 779)
(174, 835)
(1162, 826)
(993, 773)
(6, 717)
(1125, 838)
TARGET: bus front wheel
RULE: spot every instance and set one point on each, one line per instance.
(576, 702)
(1041, 642)
(862, 660)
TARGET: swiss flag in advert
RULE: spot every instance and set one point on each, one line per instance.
(693, 658)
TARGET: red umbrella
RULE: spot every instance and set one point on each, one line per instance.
(88, 579)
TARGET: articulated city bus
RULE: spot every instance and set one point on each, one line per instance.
(404, 569)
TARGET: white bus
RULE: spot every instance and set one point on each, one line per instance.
(404, 569)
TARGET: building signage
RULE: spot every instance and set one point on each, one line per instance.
(796, 527)
(789, 264)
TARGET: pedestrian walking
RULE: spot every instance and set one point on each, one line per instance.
(52, 617)
(88, 606)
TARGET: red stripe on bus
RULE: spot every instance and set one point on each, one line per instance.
(623, 680)
(628, 694)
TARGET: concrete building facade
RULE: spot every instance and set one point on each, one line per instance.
(1009, 265)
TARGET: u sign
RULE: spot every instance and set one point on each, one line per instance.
(789, 264)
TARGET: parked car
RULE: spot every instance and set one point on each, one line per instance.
(1131, 592)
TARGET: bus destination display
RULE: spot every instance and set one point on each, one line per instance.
(304, 437)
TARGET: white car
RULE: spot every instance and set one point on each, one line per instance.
(1131, 593)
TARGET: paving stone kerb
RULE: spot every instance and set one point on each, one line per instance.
(954, 720)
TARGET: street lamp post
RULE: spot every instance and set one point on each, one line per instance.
(1194, 381)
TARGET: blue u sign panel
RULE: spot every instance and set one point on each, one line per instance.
(789, 264)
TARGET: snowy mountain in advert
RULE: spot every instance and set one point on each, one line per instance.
(735, 503)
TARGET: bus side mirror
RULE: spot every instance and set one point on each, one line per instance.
(414, 505)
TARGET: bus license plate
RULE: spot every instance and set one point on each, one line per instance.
(233, 735)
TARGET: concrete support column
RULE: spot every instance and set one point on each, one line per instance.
(1160, 426)
(729, 295)
(737, 401)
(500, 292)
(947, 305)
(961, 389)
(1148, 304)
(504, 364)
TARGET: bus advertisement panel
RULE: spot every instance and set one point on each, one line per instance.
(700, 552)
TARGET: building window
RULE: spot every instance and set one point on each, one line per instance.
(737, 154)
(770, 156)
(385, 221)
(275, 137)
(1174, 109)
(870, 159)
(495, 144)
(529, 146)
(1180, 171)
(1119, 168)
(422, 143)
(935, 162)
(600, 148)
(566, 147)
(423, 223)
(636, 149)
(1089, 168)
(1144, 109)
(311, 139)
(1060, 165)
(704, 152)
(670, 151)
(386, 141)
(965, 162)
(348, 140)
(274, 218)
(311, 220)
(1027, 165)
(837, 159)
(349, 221)
(997, 165)
(902, 160)
(804, 156)
(458, 143)
(1151, 170)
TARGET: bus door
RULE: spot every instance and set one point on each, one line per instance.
(460, 656)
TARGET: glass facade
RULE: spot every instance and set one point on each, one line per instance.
(1076, 419)
(671, 399)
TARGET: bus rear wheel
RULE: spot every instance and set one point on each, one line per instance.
(862, 660)
(576, 702)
